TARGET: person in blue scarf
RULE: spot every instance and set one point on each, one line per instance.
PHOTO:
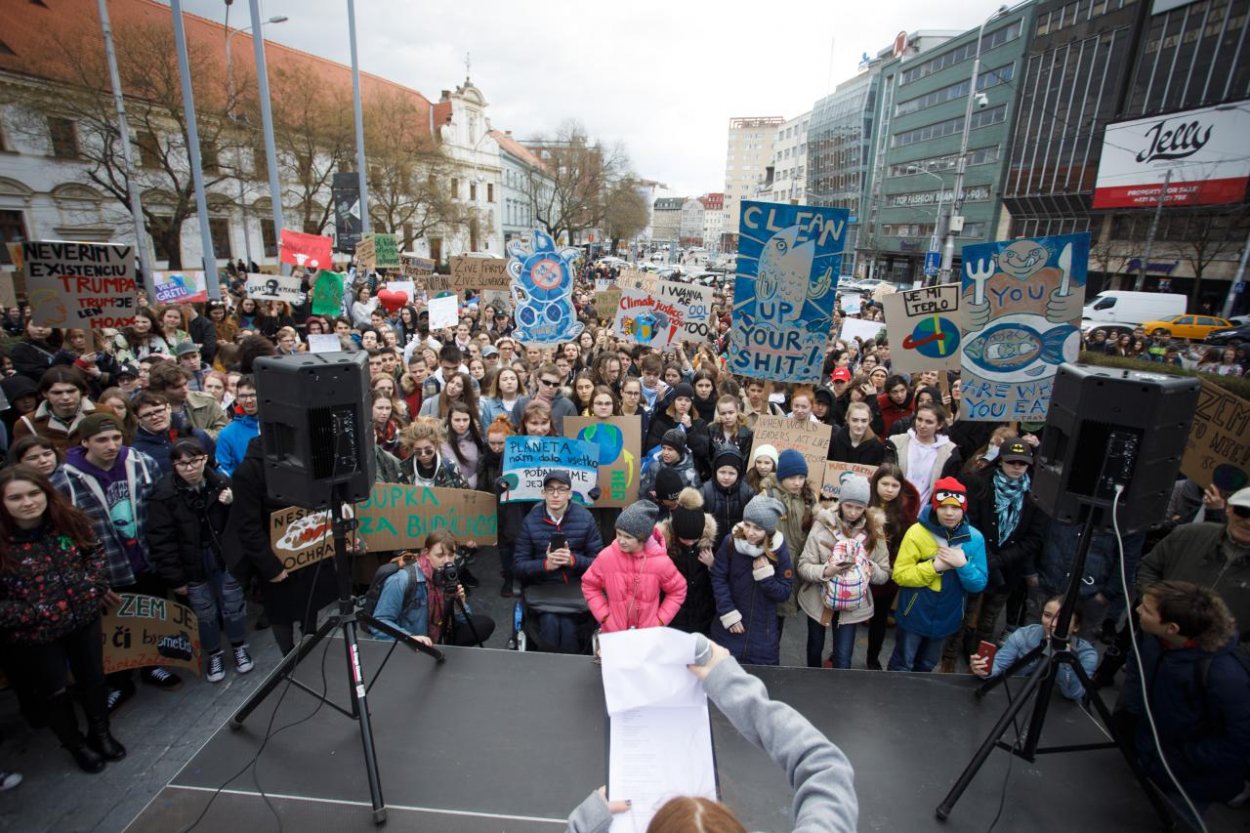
(1015, 530)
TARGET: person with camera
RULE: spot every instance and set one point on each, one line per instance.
(420, 597)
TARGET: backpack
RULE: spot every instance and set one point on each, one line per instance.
(848, 590)
(370, 601)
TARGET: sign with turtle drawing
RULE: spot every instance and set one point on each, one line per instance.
(1021, 303)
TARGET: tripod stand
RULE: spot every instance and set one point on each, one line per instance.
(1055, 652)
(345, 620)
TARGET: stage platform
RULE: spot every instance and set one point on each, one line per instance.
(494, 740)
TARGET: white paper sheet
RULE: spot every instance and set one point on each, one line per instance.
(660, 738)
(324, 343)
(444, 312)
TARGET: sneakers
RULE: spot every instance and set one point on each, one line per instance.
(242, 659)
(216, 668)
(159, 677)
(9, 780)
(118, 696)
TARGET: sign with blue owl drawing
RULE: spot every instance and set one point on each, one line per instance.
(542, 291)
(789, 257)
(1022, 304)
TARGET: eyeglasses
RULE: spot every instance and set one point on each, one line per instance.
(241, 396)
(190, 462)
(550, 383)
(557, 490)
(424, 452)
(1242, 512)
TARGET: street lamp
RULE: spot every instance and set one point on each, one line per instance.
(981, 100)
(937, 218)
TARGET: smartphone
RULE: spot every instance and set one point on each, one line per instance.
(987, 650)
(558, 542)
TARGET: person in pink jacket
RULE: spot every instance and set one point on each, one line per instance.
(633, 583)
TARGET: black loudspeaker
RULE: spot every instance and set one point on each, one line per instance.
(1108, 428)
(315, 427)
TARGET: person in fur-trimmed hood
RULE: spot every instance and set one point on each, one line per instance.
(690, 536)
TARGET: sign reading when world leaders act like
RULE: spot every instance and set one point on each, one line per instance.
(789, 257)
(924, 327)
(80, 285)
(528, 460)
(1022, 313)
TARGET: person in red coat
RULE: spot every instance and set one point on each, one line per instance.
(633, 583)
(897, 402)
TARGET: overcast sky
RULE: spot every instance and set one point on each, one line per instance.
(663, 78)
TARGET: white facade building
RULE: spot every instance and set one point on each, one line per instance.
(748, 155)
(789, 163)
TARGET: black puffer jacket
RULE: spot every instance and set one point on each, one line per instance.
(1016, 557)
(697, 611)
(726, 505)
(182, 521)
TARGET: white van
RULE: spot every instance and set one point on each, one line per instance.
(1119, 306)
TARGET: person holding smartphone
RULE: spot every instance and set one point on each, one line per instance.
(986, 663)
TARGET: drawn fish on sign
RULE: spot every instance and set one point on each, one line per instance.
(783, 285)
(1011, 347)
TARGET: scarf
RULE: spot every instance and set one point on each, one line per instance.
(745, 547)
(434, 597)
(1008, 503)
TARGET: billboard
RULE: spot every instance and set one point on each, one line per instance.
(1204, 149)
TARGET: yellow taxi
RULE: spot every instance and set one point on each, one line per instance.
(1185, 326)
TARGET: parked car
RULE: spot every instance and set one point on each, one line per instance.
(1229, 337)
(1195, 327)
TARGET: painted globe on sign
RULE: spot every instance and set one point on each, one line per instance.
(608, 438)
(935, 337)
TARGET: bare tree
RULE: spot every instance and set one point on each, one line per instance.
(1208, 237)
(625, 212)
(570, 197)
(149, 75)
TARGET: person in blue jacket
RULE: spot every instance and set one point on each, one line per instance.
(426, 611)
(941, 559)
(752, 574)
(1029, 637)
(1198, 691)
(233, 439)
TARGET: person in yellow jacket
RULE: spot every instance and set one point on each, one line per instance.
(940, 559)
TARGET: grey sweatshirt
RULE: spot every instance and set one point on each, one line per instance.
(818, 772)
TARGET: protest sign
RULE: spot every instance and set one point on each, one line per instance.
(478, 273)
(542, 290)
(274, 288)
(310, 251)
(789, 257)
(1022, 313)
(860, 329)
(366, 253)
(619, 441)
(385, 251)
(8, 290)
(851, 303)
(300, 536)
(148, 630)
(397, 516)
(327, 293)
(607, 304)
(924, 327)
(345, 191)
(416, 267)
(636, 279)
(835, 473)
(602, 284)
(444, 312)
(667, 312)
(12, 276)
(435, 283)
(86, 285)
(180, 287)
(324, 343)
(527, 460)
(811, 439)
(1219, 438)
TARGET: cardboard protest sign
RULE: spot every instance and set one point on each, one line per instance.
(414, 266)
(789, 257)
(147, 630)
(860, 329)
(274, 288)
(310, 251)
(327, 294)
(811, 439)
(366, 253)
(835, 473)
(180, 287)
(542, 289)
(478, 273)
(924, 327)
(527, 460)
(669, 312)
(8, 290)
(300, 536)
(1219, 437)
(619, 441)
(444, 312)
(636, 279)
(396, 516)
(607, 304)
(87, 285)
(602, 284)
(1022, 304)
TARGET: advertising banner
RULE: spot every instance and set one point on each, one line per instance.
(347, 222)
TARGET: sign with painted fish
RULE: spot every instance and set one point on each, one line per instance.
(1021, 301)
(789, 258)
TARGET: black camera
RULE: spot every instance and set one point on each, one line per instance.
(446, 578)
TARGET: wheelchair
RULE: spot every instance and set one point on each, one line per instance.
(558, 598)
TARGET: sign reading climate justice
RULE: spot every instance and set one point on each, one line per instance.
(667, 312)
(789, 257)
(81, 285)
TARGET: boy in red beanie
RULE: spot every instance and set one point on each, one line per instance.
(940, 559)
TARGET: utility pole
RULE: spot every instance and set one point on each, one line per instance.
(1239, 280)
(266, 121)
(365, 224)
(1150, 235)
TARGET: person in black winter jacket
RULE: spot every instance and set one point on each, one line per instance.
(34, 352)
(187, 515)
(727, 494)
(690, 537)
(855, 442)
(509, 515)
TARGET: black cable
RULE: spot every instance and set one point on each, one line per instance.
(1011, 757)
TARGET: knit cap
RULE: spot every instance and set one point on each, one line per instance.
(790, 463)
(855, 489)
(95, 423)
(687, 516)
(668, 484)
(638, 519)
(683, 389)
(676, 438)
(765, 451)
(727, 454)
(764, 512)
(950, 492)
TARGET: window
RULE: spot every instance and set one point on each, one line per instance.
(490, 192)
(472, 192)
(260, 162)
(219, 231)
(209, 158)
(12, 230)
(159, 240)
(408, 236)
(455, 188)
(149, 150)
(64, 138)
(268, 239)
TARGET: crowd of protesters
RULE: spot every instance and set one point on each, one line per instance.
(134, 466)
